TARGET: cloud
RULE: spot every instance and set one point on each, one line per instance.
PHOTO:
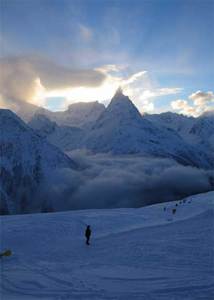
(201, 102)
(111, 68)
(145, 96)
(134, 77)
(179, 104)
(113, 182)
(105, 181)
(85, 32)
(202, 98)
(114, 77)
(26, 78)
(35, 79)
(151, 94)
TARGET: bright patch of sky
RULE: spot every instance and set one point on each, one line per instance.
(55, 103)
(158, 51)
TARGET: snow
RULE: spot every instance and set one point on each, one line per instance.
(145, 253)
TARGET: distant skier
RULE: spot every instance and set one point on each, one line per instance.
(88, 234)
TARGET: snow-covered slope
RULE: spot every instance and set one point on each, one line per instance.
(146, 253)
(202, 132)
(121, 130)
(178, 122)
(26, 160)
(66, 138)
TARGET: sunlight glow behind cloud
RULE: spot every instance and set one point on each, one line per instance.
(138, 86)
(37, 80)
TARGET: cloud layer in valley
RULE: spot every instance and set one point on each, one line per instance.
(113, 182)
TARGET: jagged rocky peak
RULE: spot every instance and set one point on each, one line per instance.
(122, 106)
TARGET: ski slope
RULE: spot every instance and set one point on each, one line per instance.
(145, 253)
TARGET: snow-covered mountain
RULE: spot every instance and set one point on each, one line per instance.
(66, 138)
(135, 254)
(197, 131)
(26, 161)
(81, 114)
(122, 130)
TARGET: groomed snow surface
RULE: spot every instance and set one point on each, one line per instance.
(147, 253)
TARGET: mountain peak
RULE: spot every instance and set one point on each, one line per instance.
(122, 105)
(119, 95)
(119, 92)
(120, 112)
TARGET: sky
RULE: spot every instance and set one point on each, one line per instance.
(57, 52)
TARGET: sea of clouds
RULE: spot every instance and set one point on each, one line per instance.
(106, 181)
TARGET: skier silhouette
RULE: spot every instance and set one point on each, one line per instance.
(88, 234)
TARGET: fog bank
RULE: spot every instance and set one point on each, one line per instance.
(127, 181)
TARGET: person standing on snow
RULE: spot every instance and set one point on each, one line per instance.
(88, 234)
